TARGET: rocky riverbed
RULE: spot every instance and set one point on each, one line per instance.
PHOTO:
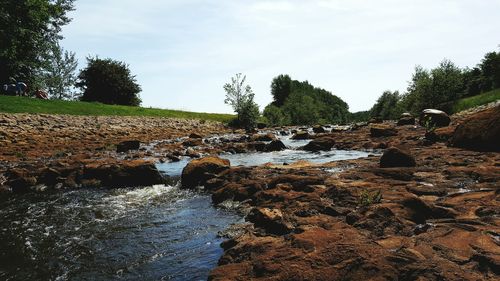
(428, 209)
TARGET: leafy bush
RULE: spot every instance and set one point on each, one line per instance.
(240, 97)
(110, 82)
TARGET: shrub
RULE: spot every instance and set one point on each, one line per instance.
(108, 81)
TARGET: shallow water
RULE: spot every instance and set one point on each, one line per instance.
(153, 233)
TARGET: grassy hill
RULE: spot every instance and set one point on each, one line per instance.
(10, 104)
(478, 100)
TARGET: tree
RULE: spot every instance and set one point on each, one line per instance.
(275, 116)
(240, 96)
(58, 75)
(29, 28)
(281, 87)
(108, 81)
(490, 67)
(386, 106)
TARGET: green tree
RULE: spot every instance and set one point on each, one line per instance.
(490, 67)
(240, 97)
(275, 116)
(108, 81)
(386, 106)
(436, 88)
(28, 30)
(302, 109)
(58, 75)
(281, 87)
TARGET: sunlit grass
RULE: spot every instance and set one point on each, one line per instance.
(478, 100)
(10, 104)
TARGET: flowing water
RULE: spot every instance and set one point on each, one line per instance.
(152, 233)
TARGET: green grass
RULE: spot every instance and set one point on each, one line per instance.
(10, 104)
(478, 100)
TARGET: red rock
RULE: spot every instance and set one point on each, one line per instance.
(480, 131)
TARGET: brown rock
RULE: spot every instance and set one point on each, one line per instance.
(199, 171)
(128, 145)
(479, 132)
(382, 131)
(320, 144)
(395, 157)
(301, 135)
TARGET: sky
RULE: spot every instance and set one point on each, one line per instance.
(182, 52)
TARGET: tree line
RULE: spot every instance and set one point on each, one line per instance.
(30, 52)
(439, 88)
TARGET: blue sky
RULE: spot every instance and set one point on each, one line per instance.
(183, 51)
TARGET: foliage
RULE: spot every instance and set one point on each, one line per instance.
(360, 116)
(302, 103)
(275, 116)
(29, 30)
(240, 96)
(59, 77)
(109, 82)
(442, 86)
(386, 106)
(477, 100)
(281, 87)
(434, 88)
(10, 104)
(368, 198)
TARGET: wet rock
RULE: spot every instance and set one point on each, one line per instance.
(396, 157)
(128, 145)
(265, 137)
(301, 135)
(480, 131)
(125, 174)
(320, 144)
(256, 146)
(275, 145)
(192, 142)
(318, 129)
(382, 131)
(434, 117)
(261, 125)
(271, 220)
(199, 171)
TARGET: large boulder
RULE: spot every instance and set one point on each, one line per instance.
(301, 135)
(396, 157)
(382, 130)
(434, 117)
(125, 146)
(199, 171)
(406, 119)
(320, 144)
(480, 131)
(125, 174)
(275, 145)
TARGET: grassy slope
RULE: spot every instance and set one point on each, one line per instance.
(29, 105)
(478, 100)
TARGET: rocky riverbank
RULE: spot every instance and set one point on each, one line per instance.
(432, 212)
(428, 209)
